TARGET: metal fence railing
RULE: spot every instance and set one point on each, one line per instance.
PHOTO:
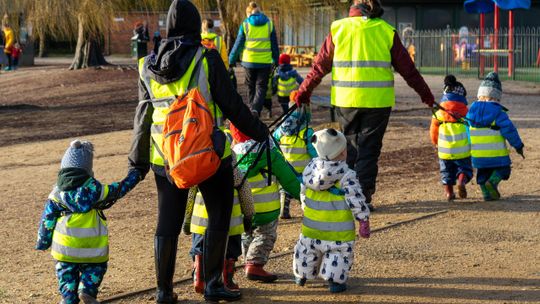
(472, 53)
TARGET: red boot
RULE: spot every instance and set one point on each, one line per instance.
(449, 190)
(462, 180)
(198, 282)
(228, 273)
(255, 272)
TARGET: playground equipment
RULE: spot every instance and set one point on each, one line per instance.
(487, 6)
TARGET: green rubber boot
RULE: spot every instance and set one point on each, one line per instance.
(486, 194)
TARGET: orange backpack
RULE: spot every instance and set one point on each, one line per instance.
(192, 142)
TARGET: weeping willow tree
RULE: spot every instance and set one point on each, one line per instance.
(85, 21)
(291, 12)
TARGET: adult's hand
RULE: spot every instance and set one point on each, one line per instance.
(429, 101)
(302, 97)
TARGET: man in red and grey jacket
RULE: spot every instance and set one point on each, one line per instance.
(360, 51)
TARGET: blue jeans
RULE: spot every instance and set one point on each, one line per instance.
(234, 246)
(451, 169)
(74, 278)
(483, 174)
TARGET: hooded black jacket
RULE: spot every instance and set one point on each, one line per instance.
(173, 59)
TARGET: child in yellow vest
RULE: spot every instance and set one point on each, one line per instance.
(332, 200)
(74, 225)
(196, 222)
(293, 137)
(287, 80)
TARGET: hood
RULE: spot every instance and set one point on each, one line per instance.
(183, 39)
(257, 19)
(484, 113)
(285, 71)
(243, 147)
(294, 123)
(71, 178)
(322, 174)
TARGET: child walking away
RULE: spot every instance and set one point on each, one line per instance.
(241, 218)
(490, 129)
(16, 54)
(287, 80)
(259, 165)
(74, 226)
(332, 200)
(293, 137)
(449, 134)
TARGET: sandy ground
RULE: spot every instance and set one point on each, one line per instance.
(477, 252)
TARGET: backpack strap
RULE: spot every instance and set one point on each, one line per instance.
(199, 79)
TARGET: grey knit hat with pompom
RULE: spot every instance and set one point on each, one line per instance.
(491, 87)
(80, 154)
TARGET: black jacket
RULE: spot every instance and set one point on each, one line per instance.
(223, 94)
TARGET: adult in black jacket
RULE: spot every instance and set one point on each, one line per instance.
(173, 59)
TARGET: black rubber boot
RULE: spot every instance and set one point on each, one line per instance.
(215, 244)
(165, 258)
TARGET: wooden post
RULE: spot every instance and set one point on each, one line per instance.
(496, 40)
(510, 44)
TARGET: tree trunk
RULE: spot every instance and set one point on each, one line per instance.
(88, 50)
(222, 9)
(41, 52)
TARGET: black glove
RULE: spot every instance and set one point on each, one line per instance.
(248, 225)
(520, 151)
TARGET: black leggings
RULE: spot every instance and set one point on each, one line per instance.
(217, 192)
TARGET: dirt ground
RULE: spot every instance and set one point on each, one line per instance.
(476, 252)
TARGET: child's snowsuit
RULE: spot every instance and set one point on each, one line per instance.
(256, 246)
(74, 226)
(332, 199)
(286, 80)
(490, 129)
(449, 133)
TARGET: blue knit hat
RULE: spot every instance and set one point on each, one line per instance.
(80, 154)
(491, 86)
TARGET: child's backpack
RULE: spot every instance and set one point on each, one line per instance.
(209, 43)
(192, 142)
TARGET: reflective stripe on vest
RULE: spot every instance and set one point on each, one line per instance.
(285, 87)
(362, 76)
(327, 217)
(81, 238)
(258, 47)
(486, 142)
(453, 142)
(163, 95)
(199, 219)
(295, 150)
(265, 198)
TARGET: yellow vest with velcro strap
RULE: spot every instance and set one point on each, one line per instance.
(362, 74)
(453, 140)
(81, 237)
(486, 142)
(295, 150)
(265, 198)
(327, 217)
(199, 219)
(163, 95)
(258, 47)
(285, 87)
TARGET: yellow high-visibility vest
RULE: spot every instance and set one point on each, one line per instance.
(327, 217)
(265, 198)
(362, 74)
(81, 237)
(295, 150)
(285, 87)
(453, 140)
(220, 46)
(199, 219)
(163, 95)
(258, 47)
(486, 142)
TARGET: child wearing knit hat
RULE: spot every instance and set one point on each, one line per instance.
(449, 134)
(74, 226)
(332, 200)
(490, 129)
